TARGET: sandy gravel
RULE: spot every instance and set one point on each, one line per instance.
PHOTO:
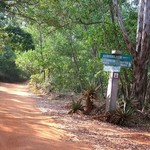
(100, 135)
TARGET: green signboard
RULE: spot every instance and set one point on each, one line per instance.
(121, 57)
(125, 64)
(116, 60)
(111, 62)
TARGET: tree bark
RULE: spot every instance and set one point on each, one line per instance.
(143, 46)
(139, 26)
(141, 54)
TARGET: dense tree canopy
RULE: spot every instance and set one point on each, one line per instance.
(13, 39)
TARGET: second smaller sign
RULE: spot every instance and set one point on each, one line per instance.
(112, 68)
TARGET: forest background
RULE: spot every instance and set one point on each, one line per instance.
(56, 45)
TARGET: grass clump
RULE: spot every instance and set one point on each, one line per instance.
(76, 107)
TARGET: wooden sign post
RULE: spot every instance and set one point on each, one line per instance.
(113, 63)
(112, 91)
(112, 88)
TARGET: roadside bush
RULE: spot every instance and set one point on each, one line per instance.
(9, 72)
(38, 83)
(76, 107)
(90, 95)
(35, 81)
(121, 116)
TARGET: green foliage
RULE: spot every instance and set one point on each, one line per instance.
(35, 81)
(28, 62)
(8, 69)
(68, 37)
(19, 39)
(91, 91)
(90, 94)
(2, 5)
(121, 116)
(68, 56)
(126, 102)
(3, 37)
(124, 113)
(11, 39)
(68, 65)
(76, 106)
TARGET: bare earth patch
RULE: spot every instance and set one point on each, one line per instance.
(100, 135)
(24, 127)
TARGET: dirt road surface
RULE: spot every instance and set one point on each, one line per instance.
(24, 127)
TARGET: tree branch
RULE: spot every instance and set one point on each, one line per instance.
(80, 21)
(125, 35)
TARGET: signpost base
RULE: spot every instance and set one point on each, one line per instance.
(112, 91)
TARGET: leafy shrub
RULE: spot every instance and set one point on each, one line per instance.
(76, 106)
(9, 72)
(90, 94)
(35, 81)
(127, 102)
(120, 116)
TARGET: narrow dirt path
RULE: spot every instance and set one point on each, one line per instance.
(23, 127)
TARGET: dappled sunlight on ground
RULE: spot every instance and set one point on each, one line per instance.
(15, 91)
(5, 128)
(101, 135)
(22, 126)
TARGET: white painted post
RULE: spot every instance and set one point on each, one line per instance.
(112, 88)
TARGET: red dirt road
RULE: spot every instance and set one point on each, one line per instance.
(23, 127)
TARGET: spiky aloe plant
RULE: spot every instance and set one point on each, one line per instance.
(90, 94)
(76, 106)
(121, 116)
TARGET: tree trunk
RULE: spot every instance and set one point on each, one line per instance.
(140, 83)
(139, 26)
(148, 93)
(141, 54)
(89, 105)
(143, 48)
